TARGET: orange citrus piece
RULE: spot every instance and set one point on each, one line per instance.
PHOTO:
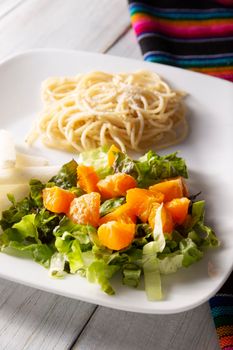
(85, 209)
(116, 235)
(178, 208)
(57, 200)
(87, 178)
(172, 188)
(141, 200)
(116, 185)
(123, 214)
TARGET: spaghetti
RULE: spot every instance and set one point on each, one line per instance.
(131, 110)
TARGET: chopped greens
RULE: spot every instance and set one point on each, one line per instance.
(67, 176)
(110, 204)
(67, 244)
(151, 168)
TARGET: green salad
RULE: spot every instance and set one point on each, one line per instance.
(108, 214)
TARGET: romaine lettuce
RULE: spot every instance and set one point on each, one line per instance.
(100, 272)
(67, 176)
(15, 212)
(170, 263)
(151, 168)
(36, 187)
(191, 253)
(111, 204)
(131, 275)
(53, 240)
(98, 158)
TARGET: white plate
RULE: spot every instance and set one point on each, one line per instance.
(208, 151)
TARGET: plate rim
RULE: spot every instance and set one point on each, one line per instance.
(28, 52)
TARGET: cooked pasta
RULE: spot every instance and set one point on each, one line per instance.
(131, 110)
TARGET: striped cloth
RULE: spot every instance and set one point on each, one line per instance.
(222, 311)
(196, 35)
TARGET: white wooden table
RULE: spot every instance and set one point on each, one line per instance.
(32, 319)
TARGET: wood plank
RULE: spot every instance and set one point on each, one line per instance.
(126, 46)
(32, 319)
(111, 329)
(85, 25)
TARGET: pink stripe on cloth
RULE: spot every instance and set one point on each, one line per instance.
(223, 76)
(173, 29)
(225, 2)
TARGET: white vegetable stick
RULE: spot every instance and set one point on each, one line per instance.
(22, 175)
(19, 192)
(7, 150)
(26, 160)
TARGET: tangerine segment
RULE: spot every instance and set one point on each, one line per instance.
(172, 188)
(141, 200)
(178, 208)
(116, 185)
(123, 214)
(87, 178)
(116, 235)
(85, 209)
(56, 199)
(112, 154)
(167, 222)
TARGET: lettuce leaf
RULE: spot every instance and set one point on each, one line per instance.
(15, 212)
(203, 236)
(57, 265)
(23, 237)
(154, 168)
(67, 176)
(143, 234)
(26, 228)
(131, 275)
(152, 277)
(83, 233)
(71, 249)
(40, 253)
(36, 187)
(100, 272)
(111, 204)
(124, 164)
(46, 222)
(23, 231)
(151, 168)
(170, 263)
(197, 212)
(191, 253)
(98, 158)
(151, 271)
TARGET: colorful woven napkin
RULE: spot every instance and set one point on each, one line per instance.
(196, 35)
(222, 311)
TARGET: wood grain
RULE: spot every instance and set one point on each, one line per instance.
(32, 319)
(75, 24)
(111, 329)
(126, 46)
